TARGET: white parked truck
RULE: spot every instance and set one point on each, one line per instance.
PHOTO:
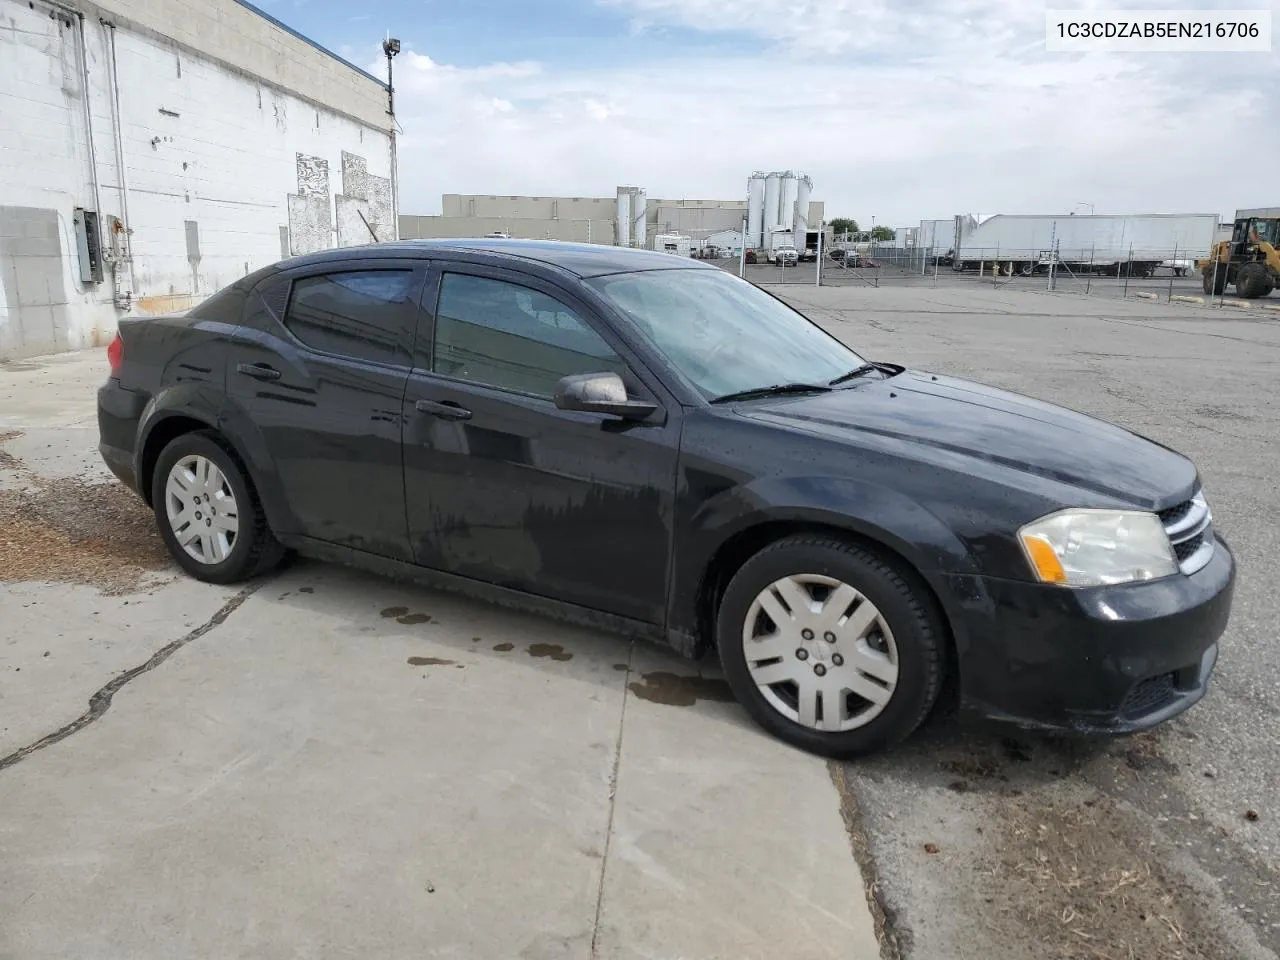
(787, 255)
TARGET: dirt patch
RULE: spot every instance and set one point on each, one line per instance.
(1073, 878)
(69, 531)
(7, 460)
(552, 650)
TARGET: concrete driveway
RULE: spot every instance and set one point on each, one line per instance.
(327, 764)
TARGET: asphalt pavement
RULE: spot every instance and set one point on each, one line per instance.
(993, 845)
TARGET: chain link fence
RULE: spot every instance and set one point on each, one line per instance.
(863, 264)
(1166, 275)
(1173, 275)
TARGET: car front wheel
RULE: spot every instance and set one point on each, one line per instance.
(208, 512)
(829, 647)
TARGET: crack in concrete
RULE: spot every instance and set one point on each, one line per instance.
(100, 702)
(1193, 333)
(613, 802)
(894, 943)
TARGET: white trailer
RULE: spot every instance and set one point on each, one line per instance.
(674, 243)
(781, 237)
(1132, 245)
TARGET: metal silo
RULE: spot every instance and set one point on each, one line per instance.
(772, 194)
(755, 212)
(803, 188)
(623, 217)
(787, 201)
(639, 216)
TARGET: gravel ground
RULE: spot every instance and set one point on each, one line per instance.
(985, 843)
(69, 530)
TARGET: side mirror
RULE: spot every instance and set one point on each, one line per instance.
(600, 393)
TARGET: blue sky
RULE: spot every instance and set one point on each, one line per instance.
(898, 109)
(470, 33)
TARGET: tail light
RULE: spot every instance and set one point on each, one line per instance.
(115, 355)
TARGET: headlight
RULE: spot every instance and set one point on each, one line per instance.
(1090, 548)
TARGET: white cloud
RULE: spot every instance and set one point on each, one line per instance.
(944, 107)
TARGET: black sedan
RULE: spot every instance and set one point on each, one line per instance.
(653, 445)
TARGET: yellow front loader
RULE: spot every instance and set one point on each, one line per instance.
(1250, 260)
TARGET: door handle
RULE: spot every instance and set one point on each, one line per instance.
(445, 411)
(259, 371)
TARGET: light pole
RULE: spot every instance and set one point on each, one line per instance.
(390, 47)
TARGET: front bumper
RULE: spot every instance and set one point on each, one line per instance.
(1101, 660)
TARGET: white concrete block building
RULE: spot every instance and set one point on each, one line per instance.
(152, 151)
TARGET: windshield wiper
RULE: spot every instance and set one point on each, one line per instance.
(856, 372)
(777, 390)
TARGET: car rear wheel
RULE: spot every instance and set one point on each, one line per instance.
(829, 647)
(208, 512)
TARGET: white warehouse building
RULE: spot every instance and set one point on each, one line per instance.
(153, 151)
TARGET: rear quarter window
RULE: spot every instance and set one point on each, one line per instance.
(225, 306)
(228, 304)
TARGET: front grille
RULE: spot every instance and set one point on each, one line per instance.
(1189, 526)
(1187, 548)
(1174, 514)
(1148, 696)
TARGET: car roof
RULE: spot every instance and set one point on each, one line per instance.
(581, 259)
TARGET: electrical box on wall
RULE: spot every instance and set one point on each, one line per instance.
(88, 245)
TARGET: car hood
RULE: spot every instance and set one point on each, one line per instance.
(1006, 429)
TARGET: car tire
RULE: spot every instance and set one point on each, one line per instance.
(891, 652)
(200, 489)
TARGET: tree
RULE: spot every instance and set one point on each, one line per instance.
(842, 225)
(882, 233)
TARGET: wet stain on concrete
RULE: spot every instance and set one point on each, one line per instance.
(504, 647)
(675, 690)
(306, 589)
(430, 662)
(552, 650)
(402, 615)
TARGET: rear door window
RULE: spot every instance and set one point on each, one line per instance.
(361, 314)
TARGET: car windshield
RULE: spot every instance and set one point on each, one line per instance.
(723, 334)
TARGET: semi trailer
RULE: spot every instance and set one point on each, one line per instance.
(1104, 245)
